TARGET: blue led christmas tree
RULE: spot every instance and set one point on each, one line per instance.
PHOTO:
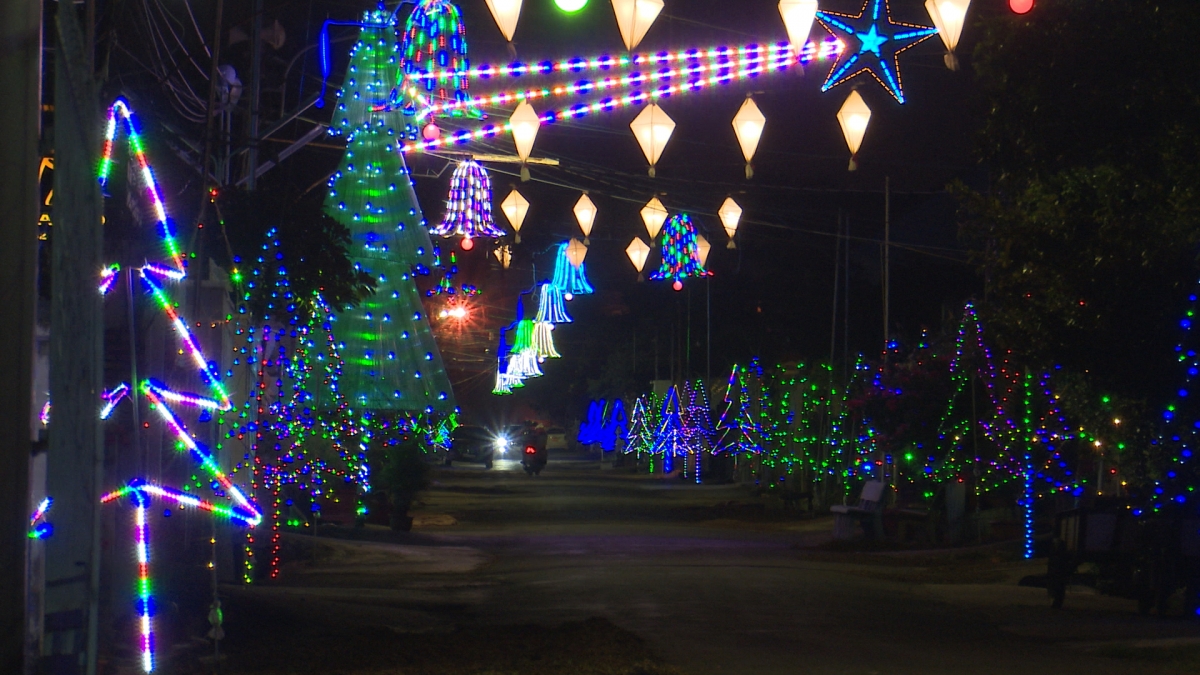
(392, 363)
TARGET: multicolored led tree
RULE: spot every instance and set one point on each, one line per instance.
(392, 364)
(680, 255)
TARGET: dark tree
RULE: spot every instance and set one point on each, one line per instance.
(1087, 234)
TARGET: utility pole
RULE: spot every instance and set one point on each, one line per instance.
(887, 259)
(75, 461)
(21, 82)
(255, 90)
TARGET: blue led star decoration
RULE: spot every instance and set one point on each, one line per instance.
(873, 43)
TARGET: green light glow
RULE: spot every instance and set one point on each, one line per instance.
(570, 6)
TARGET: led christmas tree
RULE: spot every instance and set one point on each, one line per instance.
(680, 255)
(643, 422)
(392, 363)
(435, 41)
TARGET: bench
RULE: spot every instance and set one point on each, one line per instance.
(868, 510)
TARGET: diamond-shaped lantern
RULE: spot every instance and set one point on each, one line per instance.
(798, 18)
(515, 206)
(506, 13)
(585, 213)
(652, 128)
(524, 123)
(731, 215)
(948, 17)
(702, 249)
(638, 251)
(576, 252)
(854, 117)
(654, 214)
(634, 18)
(748, 124)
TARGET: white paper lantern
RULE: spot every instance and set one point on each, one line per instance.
(731, 215)
(585, 213)
(638, 251)
(524, 123)
(798, 16)
(652, 128)
(702, 249)
(748, 125)
(634, 18)
(948, 17)
(506, 13)
(654, 214)
(515, 206)
(854, 117)
(576, 252)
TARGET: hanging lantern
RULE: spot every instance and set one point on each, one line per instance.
(798, 18)
(654, 214)
(854, 117)
(948, 17)
(652, 128)
(469, 206)
(515, 206)
(506, 13)
(585, 213)
(731, 215)
(702, 249)
(748, 125)
(634, 17)
(504, 255)
(576, 252)
(524, 123)
(638, 251)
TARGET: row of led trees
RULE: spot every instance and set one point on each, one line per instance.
(954, 413)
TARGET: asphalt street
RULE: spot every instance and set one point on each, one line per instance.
(712, 583)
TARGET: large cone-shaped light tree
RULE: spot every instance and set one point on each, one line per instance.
(392, 363)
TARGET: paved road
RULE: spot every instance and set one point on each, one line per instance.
(714, 586)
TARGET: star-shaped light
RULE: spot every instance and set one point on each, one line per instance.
(880, 41)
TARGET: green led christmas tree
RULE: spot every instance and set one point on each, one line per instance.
(392, 363)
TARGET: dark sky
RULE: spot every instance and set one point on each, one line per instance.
(772, 295)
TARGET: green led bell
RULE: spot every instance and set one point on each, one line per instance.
(570, 6)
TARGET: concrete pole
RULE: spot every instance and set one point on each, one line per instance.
(76, 458)
(20, 80)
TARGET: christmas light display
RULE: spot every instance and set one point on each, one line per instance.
(813, 51)
(570, 279)
(39, 529)
(469, 207)
(392, 363)
(581, 110)
(435, 38)
(551, 307)
(591, 428)
(680, 257)
(880, 42)
(643, 423)
(543, 340)
(153, 275)
(1175, 490)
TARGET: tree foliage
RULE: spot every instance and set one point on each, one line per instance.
(1087, 234)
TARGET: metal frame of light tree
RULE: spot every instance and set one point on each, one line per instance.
(159, 396)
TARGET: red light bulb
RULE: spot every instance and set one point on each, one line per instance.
(1020, 6)
(467, 244)
(678, 285)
